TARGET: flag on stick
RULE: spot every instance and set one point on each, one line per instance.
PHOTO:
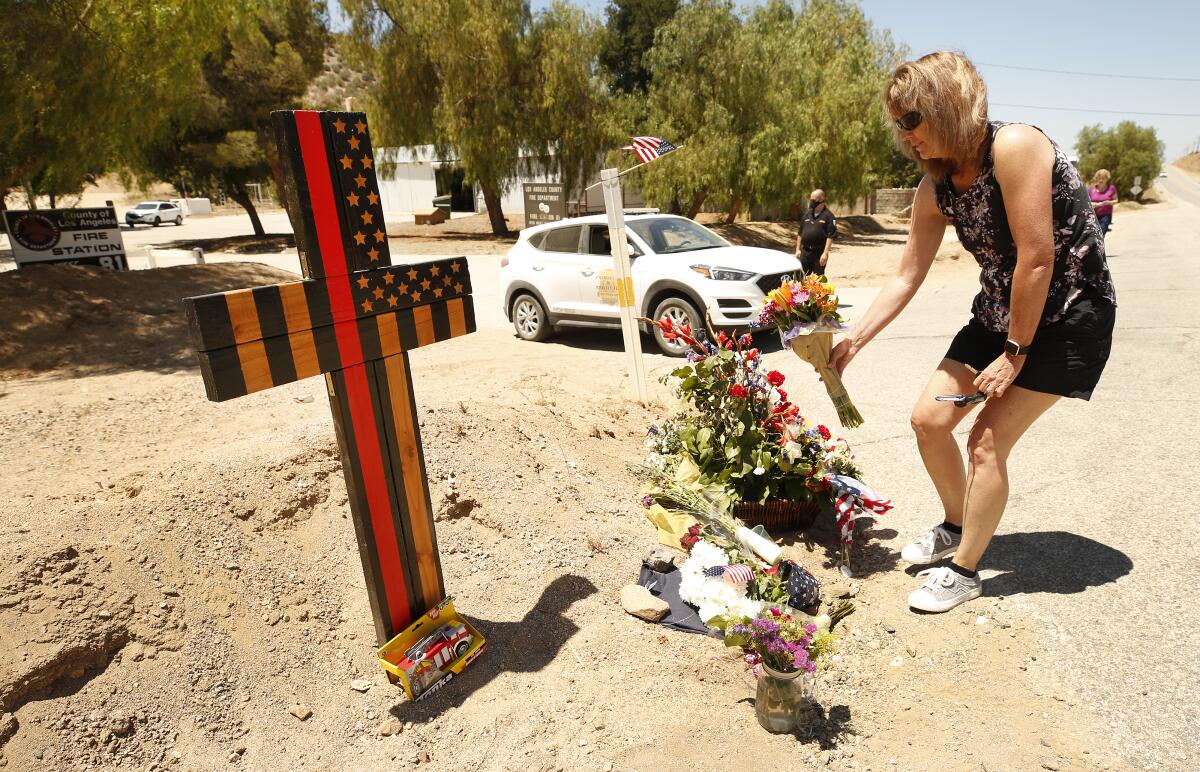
(649, 148)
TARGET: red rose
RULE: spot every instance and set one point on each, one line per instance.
(775, 378)
(823, 431)
(738, 390)
(751, 355)
(782, 395)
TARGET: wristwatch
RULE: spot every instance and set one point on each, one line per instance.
(1014, 349)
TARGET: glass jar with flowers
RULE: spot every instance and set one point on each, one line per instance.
(781, 651)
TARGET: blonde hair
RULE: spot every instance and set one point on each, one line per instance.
(946, 89)
(1101, 173)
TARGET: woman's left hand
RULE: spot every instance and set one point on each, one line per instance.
(999, 375)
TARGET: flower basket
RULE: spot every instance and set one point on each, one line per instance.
(777, 514)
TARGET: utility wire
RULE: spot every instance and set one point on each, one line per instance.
(1090, 74)
(1087, 110)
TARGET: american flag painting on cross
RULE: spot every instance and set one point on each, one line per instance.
(649, 148)
(354, 318)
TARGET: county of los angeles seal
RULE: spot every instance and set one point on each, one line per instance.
(35, 231)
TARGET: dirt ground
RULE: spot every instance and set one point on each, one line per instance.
(177, 573)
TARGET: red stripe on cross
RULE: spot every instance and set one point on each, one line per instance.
(362, 413)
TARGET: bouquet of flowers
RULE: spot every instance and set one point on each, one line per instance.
(778, 640)
(805, 313)
(744, 441)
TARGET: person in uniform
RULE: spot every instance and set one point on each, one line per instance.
(817, 229)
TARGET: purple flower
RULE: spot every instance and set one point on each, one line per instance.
(647, 501)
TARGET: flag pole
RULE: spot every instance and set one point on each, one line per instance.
(619, 243)
(631, 168)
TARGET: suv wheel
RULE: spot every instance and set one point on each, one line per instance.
(156, 221)
(179, 219)
(679, 311)
(529, 318)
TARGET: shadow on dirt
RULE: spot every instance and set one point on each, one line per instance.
(525, 646)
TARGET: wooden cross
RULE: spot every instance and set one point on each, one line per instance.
(354, 318)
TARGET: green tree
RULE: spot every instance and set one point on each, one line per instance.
(454, 74)
(75, 71)
(482, 81)
(267, 58)
(630, 29)
(571, 120)
(770, 106)
(1126, 150)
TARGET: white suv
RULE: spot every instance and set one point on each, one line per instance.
(561, 275)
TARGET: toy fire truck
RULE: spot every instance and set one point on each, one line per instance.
(435, 648)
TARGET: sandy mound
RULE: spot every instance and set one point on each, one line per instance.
(1190, 163)
(81, 320)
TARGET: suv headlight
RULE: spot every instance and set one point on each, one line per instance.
(718, 273)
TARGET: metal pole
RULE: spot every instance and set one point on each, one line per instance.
(198, 255)
(150, 261)
(613, 205)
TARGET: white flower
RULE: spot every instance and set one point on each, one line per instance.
(759, 470)
(712, 596)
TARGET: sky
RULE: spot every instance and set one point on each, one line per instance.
(1152, 39)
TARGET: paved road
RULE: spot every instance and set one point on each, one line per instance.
(1181, 185)
(1100, 541)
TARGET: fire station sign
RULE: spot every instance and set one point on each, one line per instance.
(79, 236)
(544, 202)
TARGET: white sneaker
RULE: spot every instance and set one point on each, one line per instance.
(944, 589)
(934, 544)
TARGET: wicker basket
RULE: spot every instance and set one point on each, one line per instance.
(777, 514)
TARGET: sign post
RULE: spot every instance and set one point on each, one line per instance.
(614, 205)
(544, 202)
(77, 236)
(1136, 188)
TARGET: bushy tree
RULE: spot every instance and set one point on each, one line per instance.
(268, 56)
(1126, 150)
(480, 80)
(570, 121)
(770, 105)
(629, 36)
(86, 81)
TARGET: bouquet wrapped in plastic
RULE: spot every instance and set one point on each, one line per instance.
(805, 313)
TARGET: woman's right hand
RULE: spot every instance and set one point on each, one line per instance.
(841, 355)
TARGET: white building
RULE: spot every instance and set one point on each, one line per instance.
(411, 177)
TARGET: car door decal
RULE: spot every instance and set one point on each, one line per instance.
(606, 287)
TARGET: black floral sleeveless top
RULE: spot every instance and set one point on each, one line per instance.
(981, 223)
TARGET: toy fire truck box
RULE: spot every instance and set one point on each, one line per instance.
(433, 650)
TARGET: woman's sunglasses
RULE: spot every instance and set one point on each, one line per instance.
(909, 121)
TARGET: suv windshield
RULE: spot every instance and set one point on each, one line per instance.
(675, 234)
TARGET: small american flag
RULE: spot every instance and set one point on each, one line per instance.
(739, 574)
(649, 148)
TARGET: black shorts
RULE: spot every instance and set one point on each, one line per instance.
(1066, 357)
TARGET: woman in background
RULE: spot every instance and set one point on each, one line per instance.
(1104, 195)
